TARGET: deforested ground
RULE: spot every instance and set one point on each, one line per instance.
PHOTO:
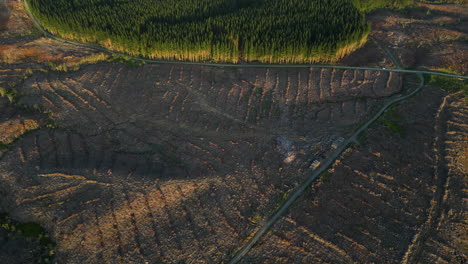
(180, 164)
(175, 163)
(389, 198)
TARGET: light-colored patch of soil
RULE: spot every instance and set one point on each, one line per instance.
(20, 44)
(448, 8)
(14, 20)
(15, 123)
(14, 128)
(42, 50)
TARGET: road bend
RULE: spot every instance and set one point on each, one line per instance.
(327, 163)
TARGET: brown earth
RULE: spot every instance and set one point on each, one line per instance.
(14, 20)
(14, 128)
(20, 42)
(296, 101)
(178, 164)
(11, 77)
(4, 15)
(370, 55)
(382, 201)
(445, 239)
(429, 36)
(15, 123)
(174, 163)
(42, 50)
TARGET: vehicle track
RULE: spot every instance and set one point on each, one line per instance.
(326, 163)
(298, 192)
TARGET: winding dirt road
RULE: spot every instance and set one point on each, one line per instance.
(325, 164)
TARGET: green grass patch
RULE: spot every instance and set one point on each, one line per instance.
(11, 93)
(449, 84)
(444, 1)
(32, 233)
(3, 147)
(369, 5)
(127, 61)
(3, 91)
(51, 124)
(30, 229)
(394, 126)
(258, 91)
(393, 120)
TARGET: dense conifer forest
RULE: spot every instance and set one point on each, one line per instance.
(211, 30)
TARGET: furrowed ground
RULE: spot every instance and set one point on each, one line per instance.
(429, 35)
(179, 164)
(175, 163)
(385, 201)
(444, 239)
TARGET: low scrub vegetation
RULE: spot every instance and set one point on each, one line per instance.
(128, 61)
(32, 233)
(449, 84)
(11, 93)
(74, 66)
(369, 5)
(393, 120)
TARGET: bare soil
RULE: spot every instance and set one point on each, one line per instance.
(380, 202)
(14, 21)
(174, 163)
(20, 42)
(4, 15)
(178, 164)
(370, 54)
(429, 36)
(445, 240)
(41, 50)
